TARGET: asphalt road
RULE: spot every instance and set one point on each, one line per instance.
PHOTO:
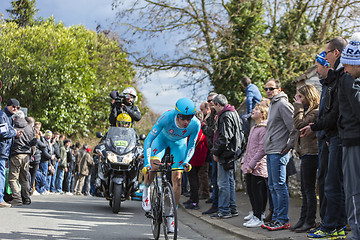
(75, 217)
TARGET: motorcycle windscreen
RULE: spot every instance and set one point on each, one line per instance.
(120, 140)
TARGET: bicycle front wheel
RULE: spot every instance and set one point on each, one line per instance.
(169, 212)
(155, 211)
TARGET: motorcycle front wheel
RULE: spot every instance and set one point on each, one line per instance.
(116, 199)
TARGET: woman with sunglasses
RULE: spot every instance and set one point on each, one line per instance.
(172, 130)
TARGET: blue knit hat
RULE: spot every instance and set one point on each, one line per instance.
(351, 53)
(320, 58)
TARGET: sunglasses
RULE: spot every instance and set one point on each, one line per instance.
(185, 117)
(209, 100)
(16, 107)
(270, 88)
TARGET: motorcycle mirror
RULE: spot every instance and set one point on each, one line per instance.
(99, 135)
(142, 136)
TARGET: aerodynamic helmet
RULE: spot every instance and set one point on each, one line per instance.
(123, 120)
(185, 107)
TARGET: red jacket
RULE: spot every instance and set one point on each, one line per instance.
(201, 149)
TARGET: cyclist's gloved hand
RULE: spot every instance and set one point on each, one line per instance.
(145, 170)
(187, 167)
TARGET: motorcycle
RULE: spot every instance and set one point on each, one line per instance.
(120, 158)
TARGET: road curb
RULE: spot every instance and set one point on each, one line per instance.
(240, 232)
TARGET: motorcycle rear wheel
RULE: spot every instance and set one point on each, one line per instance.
(116, 199)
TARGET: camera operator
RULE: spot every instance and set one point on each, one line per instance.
(124, 103)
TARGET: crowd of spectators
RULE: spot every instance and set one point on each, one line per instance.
(37, 163)
(321, 127)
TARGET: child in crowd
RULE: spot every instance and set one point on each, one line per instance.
(254, 167)
(306, 104)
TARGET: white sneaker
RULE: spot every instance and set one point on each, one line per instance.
(146, 205)
(254, 223)
(171, 225)
(248, 222)
(248, 217)
(36, 193)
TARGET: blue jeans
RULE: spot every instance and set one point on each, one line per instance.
(59, 180)
(44, 167)
(53, 178)
(215, 191)
(2, 178)
(276, 165)
(335, 215)
(226, 184)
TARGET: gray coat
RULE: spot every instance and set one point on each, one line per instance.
(280, 132)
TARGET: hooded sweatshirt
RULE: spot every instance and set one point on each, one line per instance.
(280, 132)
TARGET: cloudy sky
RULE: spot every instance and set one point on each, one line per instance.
(161, 92)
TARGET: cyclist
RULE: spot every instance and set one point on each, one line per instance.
(172, 130)
(124, 103)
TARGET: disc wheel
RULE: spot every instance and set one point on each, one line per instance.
(169, 212)
(155, 212)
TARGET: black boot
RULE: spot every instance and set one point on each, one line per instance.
(305, 227)
(299, 224)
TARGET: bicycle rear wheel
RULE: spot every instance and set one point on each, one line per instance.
(169, 212)
(155, 211)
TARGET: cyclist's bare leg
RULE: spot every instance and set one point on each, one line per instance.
(176, 181)
(149, 178)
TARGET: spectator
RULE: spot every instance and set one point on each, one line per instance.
(69, 175)
(322, 68)
(36, 157)
(254, 167)
(349, 130)
(7, 133)
(204, 187)
(335, 216)
(253, 96)
(208, 128)
(227, 143)
(62, 167)
(197, 161)
(85, 164)
(278, 141)
(46, 155)
(306, 103)
(19, 161)
(55, 162)
(40, 183)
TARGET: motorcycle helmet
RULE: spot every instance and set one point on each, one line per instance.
(185, 108)
(123, 120)
(131, 91)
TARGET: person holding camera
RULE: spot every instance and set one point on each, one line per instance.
(124, 103)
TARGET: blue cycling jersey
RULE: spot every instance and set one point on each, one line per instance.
(165, 133)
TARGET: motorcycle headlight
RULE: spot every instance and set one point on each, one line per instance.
(112, 157)
(124, 159)
(127, 158)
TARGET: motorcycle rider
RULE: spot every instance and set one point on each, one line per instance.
(124, 103)
(172, 130)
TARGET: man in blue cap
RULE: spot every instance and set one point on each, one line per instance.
(7, 133)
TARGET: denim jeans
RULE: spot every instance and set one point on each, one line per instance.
(215, 191)
(53, 178)
(322, 172)
(59, 180)
(335, 215)
(44, 167)
(308, 168)
(276, 165)
(2, 178)
(226, 194)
